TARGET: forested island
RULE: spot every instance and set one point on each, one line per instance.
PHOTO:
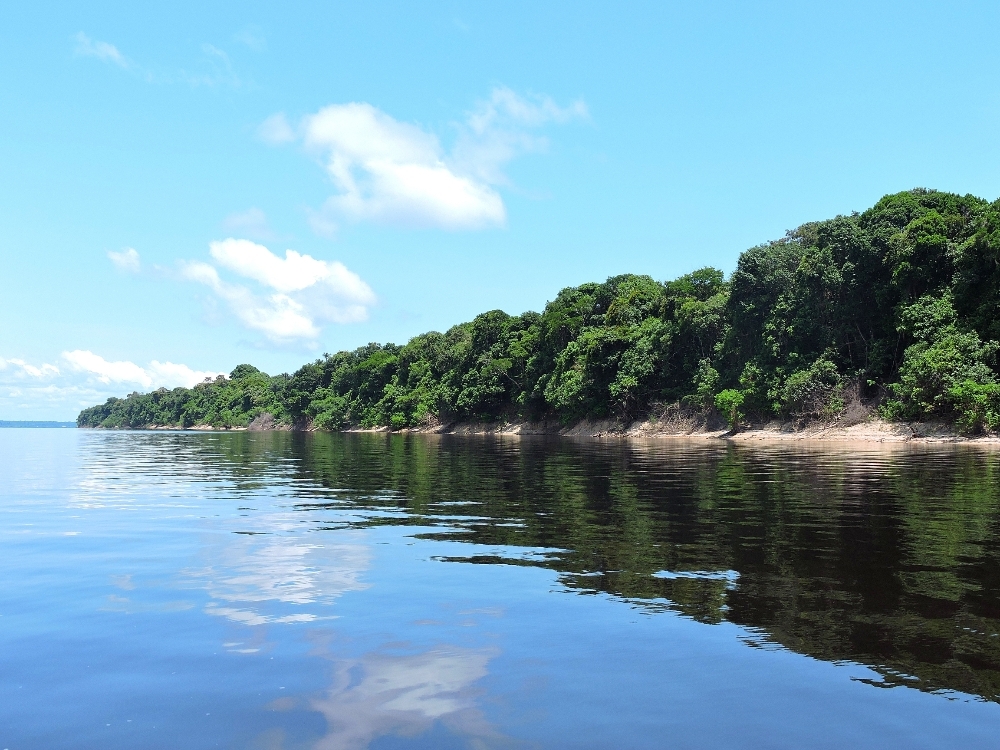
(893, 312)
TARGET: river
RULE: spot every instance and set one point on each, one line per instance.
(277, 590)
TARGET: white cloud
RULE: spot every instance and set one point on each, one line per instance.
(20, 367)
(170, 375)
(255, 261)
(107, 372)
(277, 316)
(40, 391)
(306, 292)
(156, 375)
(49, 401)
(87, 47)
(251, 223)
(395, 172)
(45, 391)
(127, 260)
(275, 129)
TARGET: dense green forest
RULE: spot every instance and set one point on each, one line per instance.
(896, 308)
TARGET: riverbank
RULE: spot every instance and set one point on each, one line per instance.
(869, 431)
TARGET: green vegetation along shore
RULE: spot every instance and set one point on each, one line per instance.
(895, 310)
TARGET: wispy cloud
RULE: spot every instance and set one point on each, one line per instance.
(214, 69)
(276, 130)
(219, 71)
(502, 127)
(37, 391)
(252, 37)
(251, 223)
(155, 375)
(394, 172)
(300, 293)
(127, 260)
(87, 47)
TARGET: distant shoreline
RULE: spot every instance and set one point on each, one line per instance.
(37, 424)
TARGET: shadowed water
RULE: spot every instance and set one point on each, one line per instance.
(275, 590)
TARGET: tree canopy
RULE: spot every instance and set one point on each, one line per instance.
(900, 304)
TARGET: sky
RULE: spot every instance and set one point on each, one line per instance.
(185, 187)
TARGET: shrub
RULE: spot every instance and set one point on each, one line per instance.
(729, 402)
(813, 390)
(977, 405)
(705, 382)
(946, 369)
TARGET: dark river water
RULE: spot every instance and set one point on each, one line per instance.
(275, 590)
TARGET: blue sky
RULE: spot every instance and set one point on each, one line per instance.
(426, 162)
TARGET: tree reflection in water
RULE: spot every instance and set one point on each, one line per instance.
(879, 556)
(882, 555)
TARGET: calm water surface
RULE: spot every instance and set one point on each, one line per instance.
(190, 590)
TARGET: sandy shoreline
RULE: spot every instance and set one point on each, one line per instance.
(870, 431)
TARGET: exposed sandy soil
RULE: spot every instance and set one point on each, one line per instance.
(869, 431)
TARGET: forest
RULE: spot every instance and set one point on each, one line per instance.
(895, 309)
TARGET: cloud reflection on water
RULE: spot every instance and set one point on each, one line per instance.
(273, 576)
(383, 693)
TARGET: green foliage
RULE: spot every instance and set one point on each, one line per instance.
(948, 372)
(811, 391)
(223, 402)
(977, 405)
(903, 298)
(706, 383)
(729, 402)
